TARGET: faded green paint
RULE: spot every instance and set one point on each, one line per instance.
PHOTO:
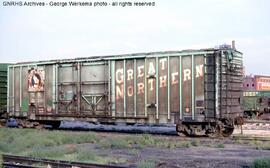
(3, 85)
(49, 102)
(25, 106)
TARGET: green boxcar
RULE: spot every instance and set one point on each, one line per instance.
(256, 103)
(192, 89)
(3, 87)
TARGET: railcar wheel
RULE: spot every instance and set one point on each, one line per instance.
(227, 131)
(226, 127)
(214, 134)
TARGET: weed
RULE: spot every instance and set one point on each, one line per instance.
(239, 141)
(146, 164)
(119, 144)
(146, 140)
(105, 144)
(256, 142)
(183, 144)
(87, 155)
(261, 163)
(195, 142)
(220, 145)
(49, 153)
(262, 146)
(133, 152)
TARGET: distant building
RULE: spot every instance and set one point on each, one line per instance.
(262, 82)
(256, 82)
(249, 83)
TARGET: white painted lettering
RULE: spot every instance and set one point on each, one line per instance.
(130, 74)
(187, 73)
(119, 91)
(119, 76)
(174, 80)
(162, 61)
(130, 91)
(151, 70)
(162, 81)
(140, 71)
(151, 82)
(140, 88)
(199, 71)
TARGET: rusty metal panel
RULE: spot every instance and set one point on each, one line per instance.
(163, 88)
(230, 79)
(209, 86)
(119, 88)
(174, 82)
(199, 86)
(36, 79)
(151, 88)
(140, 71)
(129, 88)
(186, 86)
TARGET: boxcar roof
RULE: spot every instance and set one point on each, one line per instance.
(129, 56)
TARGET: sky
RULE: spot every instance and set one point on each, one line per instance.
(44, 33)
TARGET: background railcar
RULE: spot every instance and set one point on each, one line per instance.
(198, 90)
(256, 103)
(256, 100)
(3, 89)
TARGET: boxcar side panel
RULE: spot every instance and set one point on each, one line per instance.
(24, 90)
(199, 87)
(174, 85)
(186, 86)
(129, 89)
(163, 89)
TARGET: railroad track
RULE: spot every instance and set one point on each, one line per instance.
(258, 121)
(13, 161)
(250, 138)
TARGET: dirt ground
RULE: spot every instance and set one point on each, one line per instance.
(221, 153)
(229, 156)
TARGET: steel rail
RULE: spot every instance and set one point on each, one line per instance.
(33, 162)
(250, 138)
(257, 121)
